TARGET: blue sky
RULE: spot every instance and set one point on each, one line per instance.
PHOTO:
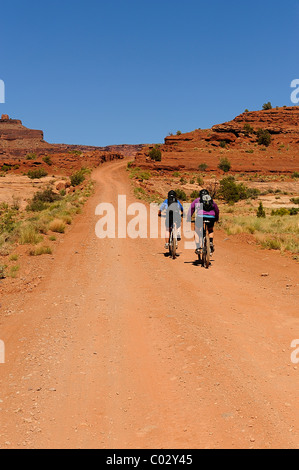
(130, 71)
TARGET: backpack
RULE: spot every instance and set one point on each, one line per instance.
(207, 202)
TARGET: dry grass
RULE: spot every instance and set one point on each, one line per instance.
(41, 250)
(57, 225)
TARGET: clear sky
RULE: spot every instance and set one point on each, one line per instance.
(100, 72)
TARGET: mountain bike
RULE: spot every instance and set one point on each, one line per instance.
(205, 255)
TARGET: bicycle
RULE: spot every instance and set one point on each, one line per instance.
(205, 255)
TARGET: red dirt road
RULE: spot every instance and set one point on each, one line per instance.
(120, 347)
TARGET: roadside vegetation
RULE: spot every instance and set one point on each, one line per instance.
(46, 215)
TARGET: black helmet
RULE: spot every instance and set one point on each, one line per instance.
(172, 197)
(202, 193)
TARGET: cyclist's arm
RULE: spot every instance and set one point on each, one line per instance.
(216, 209)
(191, 210)
(163, 207)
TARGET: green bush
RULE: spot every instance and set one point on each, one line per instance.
(264, 137)
(31, 156)
(295, 174)
(8, 220)
(155, 153)
(42, 199)
(194, 195)
(233, 192)
(261, 211)
(223, 144)
(284, 211)
(48, 160)
(295, 200)
(224, 165)
(178, 133)
(37, 173)
(6, 167)
(267, 106)
(77, 178)
(202, 167)
(181, 195)
(248, 129)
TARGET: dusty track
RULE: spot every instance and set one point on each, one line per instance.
(120, 347)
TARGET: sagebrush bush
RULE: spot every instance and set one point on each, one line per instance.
(37, 173)
(77, 178)
(264, 137)
(155, 153)
(181, 195)
(224, 165)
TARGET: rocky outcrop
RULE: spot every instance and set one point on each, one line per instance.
(22, 147)
(276, 121)
(235, 140)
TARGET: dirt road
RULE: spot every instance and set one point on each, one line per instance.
(120, 347)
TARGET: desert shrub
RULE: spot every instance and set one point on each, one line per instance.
(261, 211)
(31, 156)
(284, 211)
(267, 106)
(5, 167)
(13, 271)
(41, 250)
(48, 160)
(248, 129)
(202, 167)
(42, 199)
(194, 195)
(231, 191)
(295, 200)
(224, 165)
(77, 178)
(28, 235)
(178, 133)
(155, 153)
(8, 219)
(223, 144)
(57, 225)
(200, 180)
(181, 195)
(144, 175)
(295, 174)
(37, 173)
(264, 137)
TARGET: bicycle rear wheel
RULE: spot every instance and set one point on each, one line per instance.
(173, 247)
(207, 253)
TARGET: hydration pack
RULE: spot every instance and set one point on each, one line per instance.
(207, 202)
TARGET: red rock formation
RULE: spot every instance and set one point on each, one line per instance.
(17, 141)
(237, 141)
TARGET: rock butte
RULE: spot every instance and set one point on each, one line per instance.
(187, 151)
(17, 141)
